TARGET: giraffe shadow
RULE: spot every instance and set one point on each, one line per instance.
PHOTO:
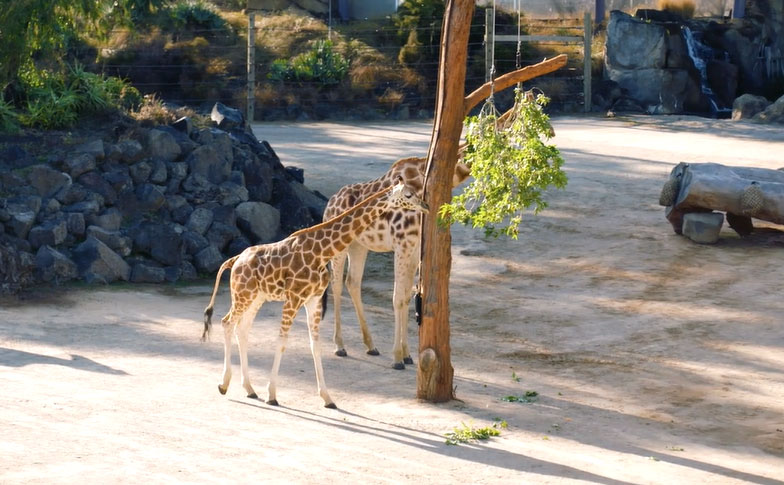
(20, 358)
(432, 442)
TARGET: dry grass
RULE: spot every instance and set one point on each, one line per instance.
(684, 8)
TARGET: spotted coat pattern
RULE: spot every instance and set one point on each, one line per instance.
(396, 230)
(294, 271)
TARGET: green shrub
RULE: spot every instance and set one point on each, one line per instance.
(195, 14)
(9, 120)
(320, 64)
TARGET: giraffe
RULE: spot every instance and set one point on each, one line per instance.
(396, 230)
(294, 271)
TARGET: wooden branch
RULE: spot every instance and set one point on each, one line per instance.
(511, 78)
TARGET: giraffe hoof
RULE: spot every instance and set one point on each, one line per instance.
(341, 353)
(330, 405)
(253, 395)
(399, 366)
(373, 351)
(222, 389)
(408, 360)
(272, 402)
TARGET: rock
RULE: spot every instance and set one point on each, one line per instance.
(226, 118)
(221, 234)
(162, 145)
(723, 80)
(160, 241)
(85, 207)
(178, 170)
(95, 261)
(208, 259)
(230, 193)
(75, 224)
(209, 163)
(119, 178)
(774, 113)
(150, 197)
(110, 219)
(94, 182)
(237, 245)
(703, 227)
(51, 233)
(654, 87)
(260, 220)
(159, 173)
(48, 181)
(145, 273)
(634, 44)
(130, 151)
(93, 148)
(224, 213)
(21, 219)
(296, 174)
(72, 194)
(184, 124)
(53, 266)
(122, 245)
(199, 220)
(194, 242)
(16, 268)
(78, 164)
(140, 172)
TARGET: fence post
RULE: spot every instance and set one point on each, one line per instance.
(587, 37)
(251, 66)
(489, 42)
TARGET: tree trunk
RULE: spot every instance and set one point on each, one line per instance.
(741, 192)
(434, 374)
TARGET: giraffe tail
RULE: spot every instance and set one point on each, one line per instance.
(324, 302)
(208, 311)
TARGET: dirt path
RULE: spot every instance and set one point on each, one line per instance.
(655, 360)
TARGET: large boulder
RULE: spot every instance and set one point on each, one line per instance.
(97, 262)
(226, 118)
(634, 44)
(53, 266)
(162, 145)
(48, 181)
(209, 163)
(747, 106)
(258, 219)
(773, 113)
(51, 233)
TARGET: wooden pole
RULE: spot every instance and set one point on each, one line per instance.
(435, 373)
(251, 67)
(587, 37)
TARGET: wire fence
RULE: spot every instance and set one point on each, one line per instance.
(199, 67)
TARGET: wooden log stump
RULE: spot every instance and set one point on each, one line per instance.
(743, 192)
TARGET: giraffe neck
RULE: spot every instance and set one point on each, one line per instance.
(333, 236)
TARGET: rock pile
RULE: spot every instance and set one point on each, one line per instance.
(157, 204)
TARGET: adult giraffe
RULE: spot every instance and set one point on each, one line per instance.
(396, 230)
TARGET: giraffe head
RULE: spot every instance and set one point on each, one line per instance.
(403, 196)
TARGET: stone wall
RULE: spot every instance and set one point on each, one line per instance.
(158, 204)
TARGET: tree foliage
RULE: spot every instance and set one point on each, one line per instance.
(42, 30)
(511, 165)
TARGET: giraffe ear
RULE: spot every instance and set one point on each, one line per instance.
(399, 179)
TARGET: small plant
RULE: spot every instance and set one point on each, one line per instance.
(465, 433)
(527, 398)
(321, 64)
(9, 119)
(511, 165)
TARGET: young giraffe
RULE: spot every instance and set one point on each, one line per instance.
(294, 271)
(396, 230)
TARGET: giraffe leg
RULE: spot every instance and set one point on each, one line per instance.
(405, 269)
(313, 309)
(357, 255)
(289, 311)
(243, 329)
(228, 331)
(338, 265)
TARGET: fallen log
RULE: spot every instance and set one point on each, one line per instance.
(741, 192)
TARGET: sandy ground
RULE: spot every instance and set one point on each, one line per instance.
(655, 360)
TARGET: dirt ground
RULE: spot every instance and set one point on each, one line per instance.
(655, 359)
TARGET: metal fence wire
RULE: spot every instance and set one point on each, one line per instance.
(199, 67)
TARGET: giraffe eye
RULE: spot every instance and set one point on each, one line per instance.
(408, 195)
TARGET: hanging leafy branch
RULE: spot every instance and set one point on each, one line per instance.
(511, 164)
